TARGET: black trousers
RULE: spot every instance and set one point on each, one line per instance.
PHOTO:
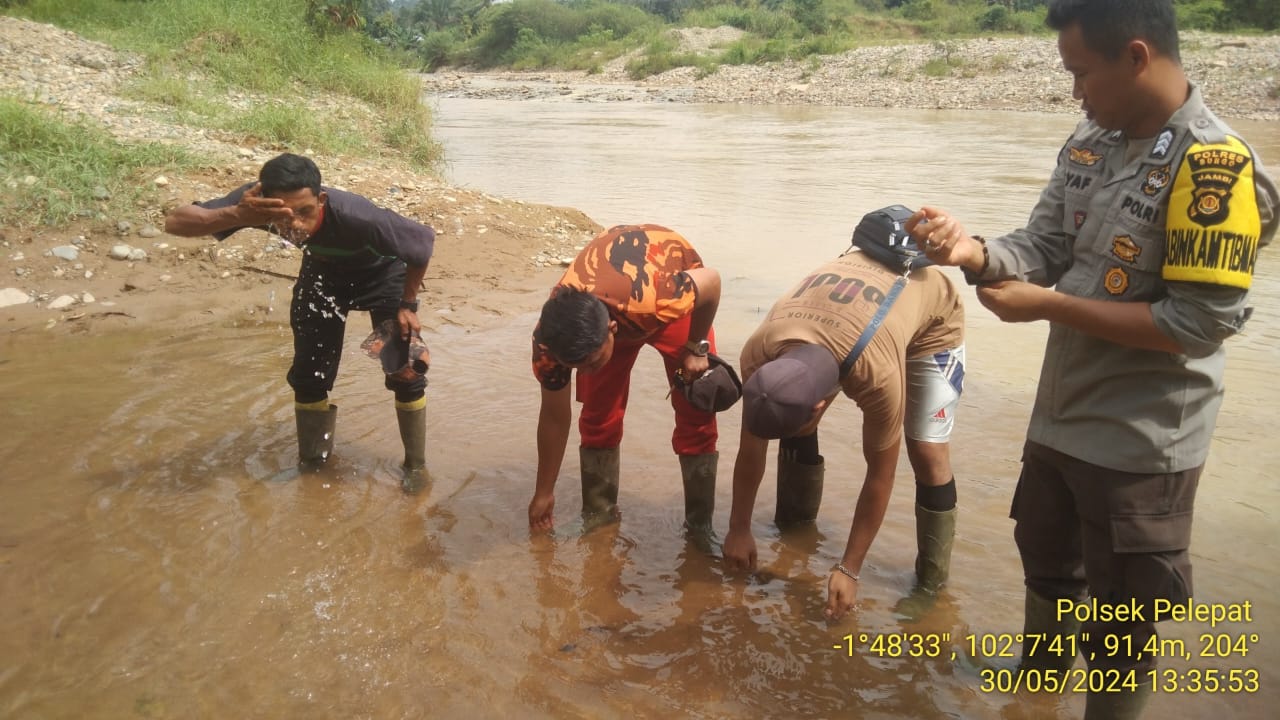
(323, 296)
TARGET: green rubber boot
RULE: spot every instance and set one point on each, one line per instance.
(935, 534)
(1056, 649)
(600, 470)
(699, 474)
(1126, 705)
(412, 418)
(315, 434)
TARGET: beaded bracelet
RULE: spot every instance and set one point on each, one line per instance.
(986, 254)
(974, 278)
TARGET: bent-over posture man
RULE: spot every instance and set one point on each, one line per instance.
(356, 256)
(631, 286)
(909, 375)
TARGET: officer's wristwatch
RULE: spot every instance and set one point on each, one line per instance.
(698, 347)
(409, 305)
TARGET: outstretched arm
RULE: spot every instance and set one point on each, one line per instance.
(554, 422)
(842, 590)
(252, 210)
(739, 545)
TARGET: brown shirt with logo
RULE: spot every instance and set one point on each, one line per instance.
(831, 306)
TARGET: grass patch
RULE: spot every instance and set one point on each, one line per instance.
(291, 126)
(163, 86)
(1000, 62)
(249, 45)
(944, 62)
(880, 29)
(660, 55)
(411, 133)
(656, 63)
(757, 20)
(54, 171)
(810, 68)
(750, 50)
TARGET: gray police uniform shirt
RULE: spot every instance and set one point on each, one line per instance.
(1175, 221)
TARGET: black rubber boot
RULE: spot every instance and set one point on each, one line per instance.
(799, 493)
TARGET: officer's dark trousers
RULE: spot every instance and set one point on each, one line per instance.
(1122, 538)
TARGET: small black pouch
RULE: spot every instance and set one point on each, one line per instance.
(881, 235)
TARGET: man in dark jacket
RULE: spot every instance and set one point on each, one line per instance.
(356, 256)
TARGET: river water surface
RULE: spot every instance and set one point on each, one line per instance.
(160, 558)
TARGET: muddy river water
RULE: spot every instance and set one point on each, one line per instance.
(160, 558)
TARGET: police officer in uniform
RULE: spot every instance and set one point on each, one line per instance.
(1140, 254)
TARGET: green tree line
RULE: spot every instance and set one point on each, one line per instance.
(584, 34)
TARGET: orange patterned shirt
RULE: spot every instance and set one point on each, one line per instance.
(639, 273)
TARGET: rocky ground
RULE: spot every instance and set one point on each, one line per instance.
(1239, 75)
(107, 271)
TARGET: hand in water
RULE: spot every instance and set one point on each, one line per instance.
(842, 591)
(739, 550)
(542, 512)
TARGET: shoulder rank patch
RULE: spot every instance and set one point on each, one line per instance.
(1083, 156)
(1211, 235)
(1162, 144)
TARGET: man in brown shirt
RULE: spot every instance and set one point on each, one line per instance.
(908, 375)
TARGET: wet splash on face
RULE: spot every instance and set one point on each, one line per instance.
(291, 234)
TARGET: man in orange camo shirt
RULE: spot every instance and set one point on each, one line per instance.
(633, 285)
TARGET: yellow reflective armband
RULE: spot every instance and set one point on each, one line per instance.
(1211, 235)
